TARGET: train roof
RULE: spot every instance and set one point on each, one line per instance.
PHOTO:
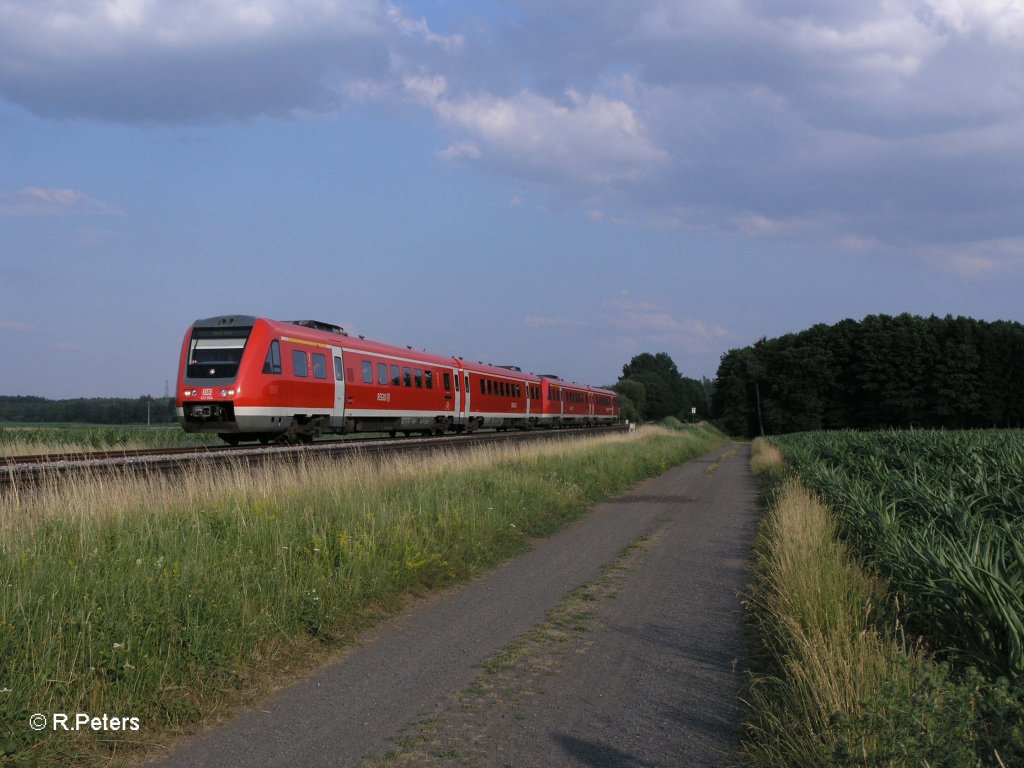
(330, 333)
(334, 334)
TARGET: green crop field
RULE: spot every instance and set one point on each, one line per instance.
(887, 603)
(941, 515)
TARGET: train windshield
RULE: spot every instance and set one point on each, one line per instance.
(215, 353)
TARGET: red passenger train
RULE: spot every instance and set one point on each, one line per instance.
(249, 378)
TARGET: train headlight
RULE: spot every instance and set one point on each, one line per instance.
(227, 393)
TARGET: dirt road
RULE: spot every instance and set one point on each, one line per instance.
(640, 668)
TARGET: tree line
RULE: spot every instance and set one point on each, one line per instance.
(91, 410)
(883, 371)
(652, 388)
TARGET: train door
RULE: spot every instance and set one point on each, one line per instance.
(466, 396)
(457, 394)
(338, 409)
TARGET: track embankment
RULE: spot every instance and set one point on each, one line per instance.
(522, 667)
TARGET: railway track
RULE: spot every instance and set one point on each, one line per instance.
(30, 470)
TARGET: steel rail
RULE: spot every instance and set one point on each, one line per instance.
(26, 471)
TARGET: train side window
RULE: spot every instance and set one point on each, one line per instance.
(448, 382)
(396, 376)
(319, 366)
(419, 378)
(382, 374)
(367, 372)
(273, 362)
(299, 362)
(407, 375)
(338, 370)
(457, 383)
(483, 387)
(429, 377)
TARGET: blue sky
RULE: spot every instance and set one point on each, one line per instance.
(558, 185)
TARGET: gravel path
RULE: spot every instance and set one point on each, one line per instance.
(653, 683)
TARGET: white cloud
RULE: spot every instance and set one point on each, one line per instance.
(53, 30)
(1001, 20)
(587, 139)
(981, 259)
(51, 201)
(133, 60)
(536, 321)
(856, 122)
(418, 28)
(649, 324)
(462, 149)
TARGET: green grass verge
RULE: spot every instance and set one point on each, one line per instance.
(170, 599)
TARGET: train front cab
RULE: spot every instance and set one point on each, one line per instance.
(211, 358)
(240, 377)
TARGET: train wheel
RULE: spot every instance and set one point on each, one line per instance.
(229, 438)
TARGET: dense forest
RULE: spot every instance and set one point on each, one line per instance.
(92, 410)
(883, 371)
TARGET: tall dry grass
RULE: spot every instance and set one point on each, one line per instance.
(765, 458)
